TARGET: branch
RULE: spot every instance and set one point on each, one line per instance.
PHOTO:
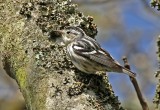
(136, 86)
(156, 99)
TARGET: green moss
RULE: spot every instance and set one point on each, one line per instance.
(21, 77)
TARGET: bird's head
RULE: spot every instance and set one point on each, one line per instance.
(70, 33)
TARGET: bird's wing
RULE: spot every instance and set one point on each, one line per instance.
(103, 57)
(91, 49)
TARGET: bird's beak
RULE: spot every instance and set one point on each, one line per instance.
(57, 36)
(58, 32)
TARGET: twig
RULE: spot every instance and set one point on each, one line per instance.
(136, 86)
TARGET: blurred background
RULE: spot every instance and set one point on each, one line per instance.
(128, 28)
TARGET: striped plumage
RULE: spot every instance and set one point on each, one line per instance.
(87, 55)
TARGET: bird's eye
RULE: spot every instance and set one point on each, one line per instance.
(68, 32)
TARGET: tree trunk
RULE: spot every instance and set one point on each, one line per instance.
(47, 79)
(156, 99)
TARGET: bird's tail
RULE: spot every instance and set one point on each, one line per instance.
(127, 71)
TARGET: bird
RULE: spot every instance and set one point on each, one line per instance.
(86, 53)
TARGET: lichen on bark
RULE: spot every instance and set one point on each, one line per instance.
(156, 99)
(47, 78)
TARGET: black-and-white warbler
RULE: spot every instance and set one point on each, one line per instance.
(87, 55)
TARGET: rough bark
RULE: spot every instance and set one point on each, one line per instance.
(156, 99)
(46, 77)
